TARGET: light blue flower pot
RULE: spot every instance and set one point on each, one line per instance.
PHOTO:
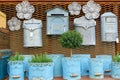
(115, 70)
(41, 71)
(27, 59)
(107, 60)
(96, 68)
(16, 70)
(71, 68)
(57, 59)
(84, 60)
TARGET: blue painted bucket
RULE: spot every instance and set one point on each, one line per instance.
(41, 71)
(2, 68)
(16, 70)
(107, 60)
(96, 68)
(27, 59)
(71, 68)
(115, 70)
(84, 60)
(57, 59)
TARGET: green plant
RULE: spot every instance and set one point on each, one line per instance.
(71, 40)
(16, 57)
(40, 58)
(116, 58)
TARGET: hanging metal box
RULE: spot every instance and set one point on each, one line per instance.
(57, 21)
(109, 27)
(32, 33)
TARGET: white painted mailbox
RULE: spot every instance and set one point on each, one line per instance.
(109, 27)
(32, 33)
(57, 21)
(87, 29)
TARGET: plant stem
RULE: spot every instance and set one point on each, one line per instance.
(70, 52)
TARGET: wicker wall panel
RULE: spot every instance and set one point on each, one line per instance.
(50, 43)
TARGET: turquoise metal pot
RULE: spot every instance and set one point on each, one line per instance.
(41, 71)
(71, 68)
(96, 68)
(115, 70)
(107, 60)
(16, 70)
(57, 60)
(27, 59)
(84, 60)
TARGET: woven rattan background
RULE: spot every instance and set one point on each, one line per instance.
(50, 43)
(4, 39)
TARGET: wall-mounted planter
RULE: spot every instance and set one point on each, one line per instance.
(57, 59)
(109, 27)
(71, 68)
(16, 70)
(27, 59)
(96, 68)
(115, 70)
(41, 71)
(57, 21)
(107, 60)
(32, 33)
(84, 60)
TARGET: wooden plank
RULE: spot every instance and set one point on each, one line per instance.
(59, 0)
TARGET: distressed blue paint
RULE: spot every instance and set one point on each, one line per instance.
(16, 68)
(96, 67)
(57, 59)
(71, 66)
(109, 27)
(107, 60)
(115, 70)
(57, 21)
(41, 71)
(27, 59)
(84, 60)
(3, 62)
(2, 68)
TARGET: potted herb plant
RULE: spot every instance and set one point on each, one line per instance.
(116, 66)
(71, 66)
(16, 67)
(41, 68)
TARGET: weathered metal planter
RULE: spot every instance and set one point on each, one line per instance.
(84, 60)
(4, 55)
(27, 59)
(57, 60)
(107, 60)
(41, 71)
(115, 70)
(96, 68)
(71, 68)
(16, 70)
(2, 68)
